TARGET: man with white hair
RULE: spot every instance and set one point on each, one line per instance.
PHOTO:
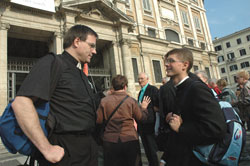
(146, 128)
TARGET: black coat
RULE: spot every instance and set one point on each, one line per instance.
(148, 125)
(203, 120)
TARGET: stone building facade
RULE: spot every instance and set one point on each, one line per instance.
(233, 55)
(134, 35)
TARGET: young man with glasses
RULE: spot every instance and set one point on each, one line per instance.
(191, 113)
(72, 103)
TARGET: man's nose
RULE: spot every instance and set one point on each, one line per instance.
(94, 51)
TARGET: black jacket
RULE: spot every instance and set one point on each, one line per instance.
(203, 121)
(148, 125)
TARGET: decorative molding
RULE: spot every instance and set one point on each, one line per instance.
(115, 43)
(95, 13)
(58, 34)
(4, 26)
(124, 41)
(169, 21)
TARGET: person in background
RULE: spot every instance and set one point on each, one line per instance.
(226, 94)
(195, 117)
(212, 84)
(244, 96)
(120, 142)
(146, 128)
(244, 106)
(204, 77)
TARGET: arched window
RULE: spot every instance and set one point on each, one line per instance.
(172, 36)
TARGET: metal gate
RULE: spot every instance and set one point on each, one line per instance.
(18, 69)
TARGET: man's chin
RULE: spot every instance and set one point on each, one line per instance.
(169, 74)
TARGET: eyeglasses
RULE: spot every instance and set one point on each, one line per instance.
(169, 61)
(92, 45)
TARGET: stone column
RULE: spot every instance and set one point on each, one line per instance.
(3, 65)
(127, 64)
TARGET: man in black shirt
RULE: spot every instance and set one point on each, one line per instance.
(72, 103)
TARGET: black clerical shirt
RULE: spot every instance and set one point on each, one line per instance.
(72, 101)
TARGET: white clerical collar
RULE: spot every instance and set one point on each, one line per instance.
(79, 65)
(181, 81)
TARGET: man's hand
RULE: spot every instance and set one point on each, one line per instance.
(28, 120)
(169, 115)
(174, 121)
(54, 153)
(146, 100)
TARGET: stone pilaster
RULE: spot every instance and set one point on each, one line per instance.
(158, 20)
(196, 43)
(183, 39)
(57, 43)
(3, 65)
(127, 64)
(115, 59)
(208, 47)
(139, 17)
(210, 42)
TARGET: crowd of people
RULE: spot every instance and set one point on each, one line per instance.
(185, 104)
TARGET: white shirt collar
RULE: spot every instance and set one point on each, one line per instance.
(182, 81)
(79, 66)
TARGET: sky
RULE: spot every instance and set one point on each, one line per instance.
(227, 16)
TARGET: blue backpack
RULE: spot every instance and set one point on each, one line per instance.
(228, 151)
(12, 136)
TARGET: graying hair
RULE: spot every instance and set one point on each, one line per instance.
(202, 73)
(212, 80)
(144, 74)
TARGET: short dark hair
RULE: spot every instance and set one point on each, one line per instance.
(80, 31)
(183, 54)
(119, 82)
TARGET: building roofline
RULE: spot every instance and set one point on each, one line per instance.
(231, 35)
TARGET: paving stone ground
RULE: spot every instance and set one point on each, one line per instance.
(7, 159)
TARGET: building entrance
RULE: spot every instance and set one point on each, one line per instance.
(24, 53)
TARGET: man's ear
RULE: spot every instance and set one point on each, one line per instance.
(186, 64)
(76, 42)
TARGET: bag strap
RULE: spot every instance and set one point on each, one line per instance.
(105, 124)
(55, 72)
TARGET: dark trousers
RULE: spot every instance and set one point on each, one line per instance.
(79, 150)
(150, 147)
(185, 160)
(121, 153)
